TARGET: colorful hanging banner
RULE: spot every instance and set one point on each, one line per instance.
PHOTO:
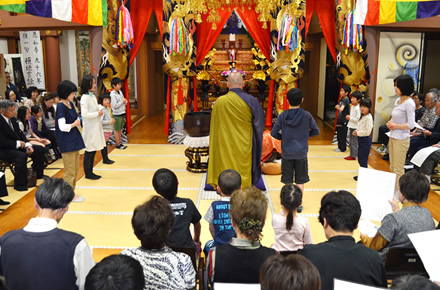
(90, 12)
(373, 12)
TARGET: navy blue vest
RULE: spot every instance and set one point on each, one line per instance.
(224, 231)
(39, 260)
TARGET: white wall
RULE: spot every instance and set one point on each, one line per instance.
(68, 56)
(4, 46)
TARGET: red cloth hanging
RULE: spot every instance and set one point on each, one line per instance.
(196, 103)
(259, 34)
(270, 105)
(325, 10)
(206, 36)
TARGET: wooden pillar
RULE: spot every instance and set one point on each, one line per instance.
(53, 65)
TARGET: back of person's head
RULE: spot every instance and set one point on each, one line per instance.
(293, 272)
(341, 210)
(30, 90)
(152, 222)
(21, 114)
(86, 84)
(35, 110)
(291, 199)
(295, 97)
(229, 181)
(248, 211)
(413, 282)
(115, 81)
(165, 183)
(116, 272)
(54, 193)
(346, 89)
(356, 94)
(65, 88)
(405, 84)
(102, 97)
(414, 186)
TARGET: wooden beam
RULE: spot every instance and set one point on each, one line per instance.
(22, 22)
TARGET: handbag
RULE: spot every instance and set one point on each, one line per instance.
(31, 178)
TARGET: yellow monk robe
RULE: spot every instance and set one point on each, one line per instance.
(237, 123)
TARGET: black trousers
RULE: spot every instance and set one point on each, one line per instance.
(3, 189)
(364, 150)
(341, 131)
(383, 138)
(19, 157)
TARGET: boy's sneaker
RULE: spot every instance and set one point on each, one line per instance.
(381, 149)
(349, 158)
(337, 150)
(121, 146)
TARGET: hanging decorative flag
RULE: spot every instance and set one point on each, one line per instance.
(373, 12)
(353, 35)
(179, 38)
(90, 12)
(288, 34)
(124, 27)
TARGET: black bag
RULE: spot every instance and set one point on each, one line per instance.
(31, 178)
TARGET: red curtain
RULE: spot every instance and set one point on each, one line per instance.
(140, 12)
(259, 34)
(206, 36)
(325, 9)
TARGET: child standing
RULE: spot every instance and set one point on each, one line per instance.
(363, 133)
(118, 102)
(341, 125)
(185, 212)
(218, 213)
(291, 232)
(294, 127)
(352, 125)
(92, 132)
(107, 125)
(69, 138)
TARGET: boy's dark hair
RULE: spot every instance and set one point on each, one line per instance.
(152, 222)
(30, 90)
(65, 88)
(346, 89)
(405, 84)
(54, 193)
(102, 97)
(341, 210)
(115, 81)
(410, 282)
(295, 96)
(86, 84)
(116, 272)
(229, 181)
(35, 109)
(414, 186)
(165, 183)
(291, 272)
(291, 199)
(356, 94)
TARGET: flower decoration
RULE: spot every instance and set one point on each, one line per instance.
(247, 84)
(203, 76)
(228, 72)
(217, 84)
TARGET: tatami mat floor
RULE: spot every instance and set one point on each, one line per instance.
(104, 218)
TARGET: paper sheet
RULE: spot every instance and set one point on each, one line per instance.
(426, 244)
(344, 285)
(422, 154)
(236, 286)
(418, 126)
(374, 189)
(368, 228)
(1, 174)
(388, 134)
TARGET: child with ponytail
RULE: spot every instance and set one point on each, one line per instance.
(291, 232)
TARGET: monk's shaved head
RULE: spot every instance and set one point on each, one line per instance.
(235, 80)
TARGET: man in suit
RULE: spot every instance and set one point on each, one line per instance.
(14, 147)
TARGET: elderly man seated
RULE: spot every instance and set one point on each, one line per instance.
(40, 255)
(14, 146)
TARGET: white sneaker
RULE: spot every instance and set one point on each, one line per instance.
(337, 150)
(79, 199)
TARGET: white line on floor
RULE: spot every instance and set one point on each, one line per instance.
(130, 188)
(147, 155)
(319, 189)
(130, 169)
(100, 212)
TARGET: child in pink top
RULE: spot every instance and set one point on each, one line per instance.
(291, 232)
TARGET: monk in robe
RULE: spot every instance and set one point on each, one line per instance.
(236, 136)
